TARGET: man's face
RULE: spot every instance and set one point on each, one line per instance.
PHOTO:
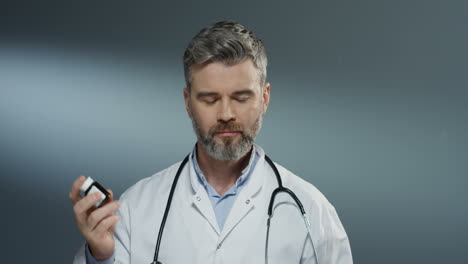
(226, 105)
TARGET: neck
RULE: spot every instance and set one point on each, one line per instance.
(221, 174)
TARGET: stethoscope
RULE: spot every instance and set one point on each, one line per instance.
(279, 189)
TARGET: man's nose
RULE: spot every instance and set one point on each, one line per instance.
(226, 112)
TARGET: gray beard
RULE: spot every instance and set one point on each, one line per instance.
(229, 150)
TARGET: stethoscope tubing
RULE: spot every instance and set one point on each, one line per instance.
(166, 212)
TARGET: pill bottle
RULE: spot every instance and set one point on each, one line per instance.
(91, 186)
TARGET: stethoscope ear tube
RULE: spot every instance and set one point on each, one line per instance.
(279, 189)
(288, 191)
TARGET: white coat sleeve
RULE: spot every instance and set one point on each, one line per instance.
(121, 237)
(330, 239)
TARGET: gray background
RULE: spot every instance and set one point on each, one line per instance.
(369, 103)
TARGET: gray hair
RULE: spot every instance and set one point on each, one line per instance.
(227, 42)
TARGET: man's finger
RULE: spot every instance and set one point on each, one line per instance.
(111, 198)
(112, 228)
(99, 214)
(74, 194)
(82, 207)
(106, 224)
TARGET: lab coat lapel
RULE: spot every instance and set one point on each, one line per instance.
(201, 201)
(245, 203)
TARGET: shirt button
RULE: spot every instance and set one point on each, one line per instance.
(248, 201)
(198, 198)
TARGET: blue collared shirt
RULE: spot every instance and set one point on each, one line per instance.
(222, 204)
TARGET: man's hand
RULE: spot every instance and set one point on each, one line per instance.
(96, 224)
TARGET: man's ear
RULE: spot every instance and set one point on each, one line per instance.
(187, 102)
(266, 96)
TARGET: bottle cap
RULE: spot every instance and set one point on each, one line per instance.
(86, 184)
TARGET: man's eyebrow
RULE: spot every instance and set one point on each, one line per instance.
(244, 92)
(206, 94)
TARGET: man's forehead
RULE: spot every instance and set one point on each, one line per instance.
(219, 77)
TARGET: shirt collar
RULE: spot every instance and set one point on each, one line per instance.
(245, 172)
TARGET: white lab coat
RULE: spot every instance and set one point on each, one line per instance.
(192, 235)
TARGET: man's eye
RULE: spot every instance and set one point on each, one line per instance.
(210, 101)
(242, 99)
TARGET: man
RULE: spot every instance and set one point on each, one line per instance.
(218, 211)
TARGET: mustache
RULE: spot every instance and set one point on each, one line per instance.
(226, 127)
